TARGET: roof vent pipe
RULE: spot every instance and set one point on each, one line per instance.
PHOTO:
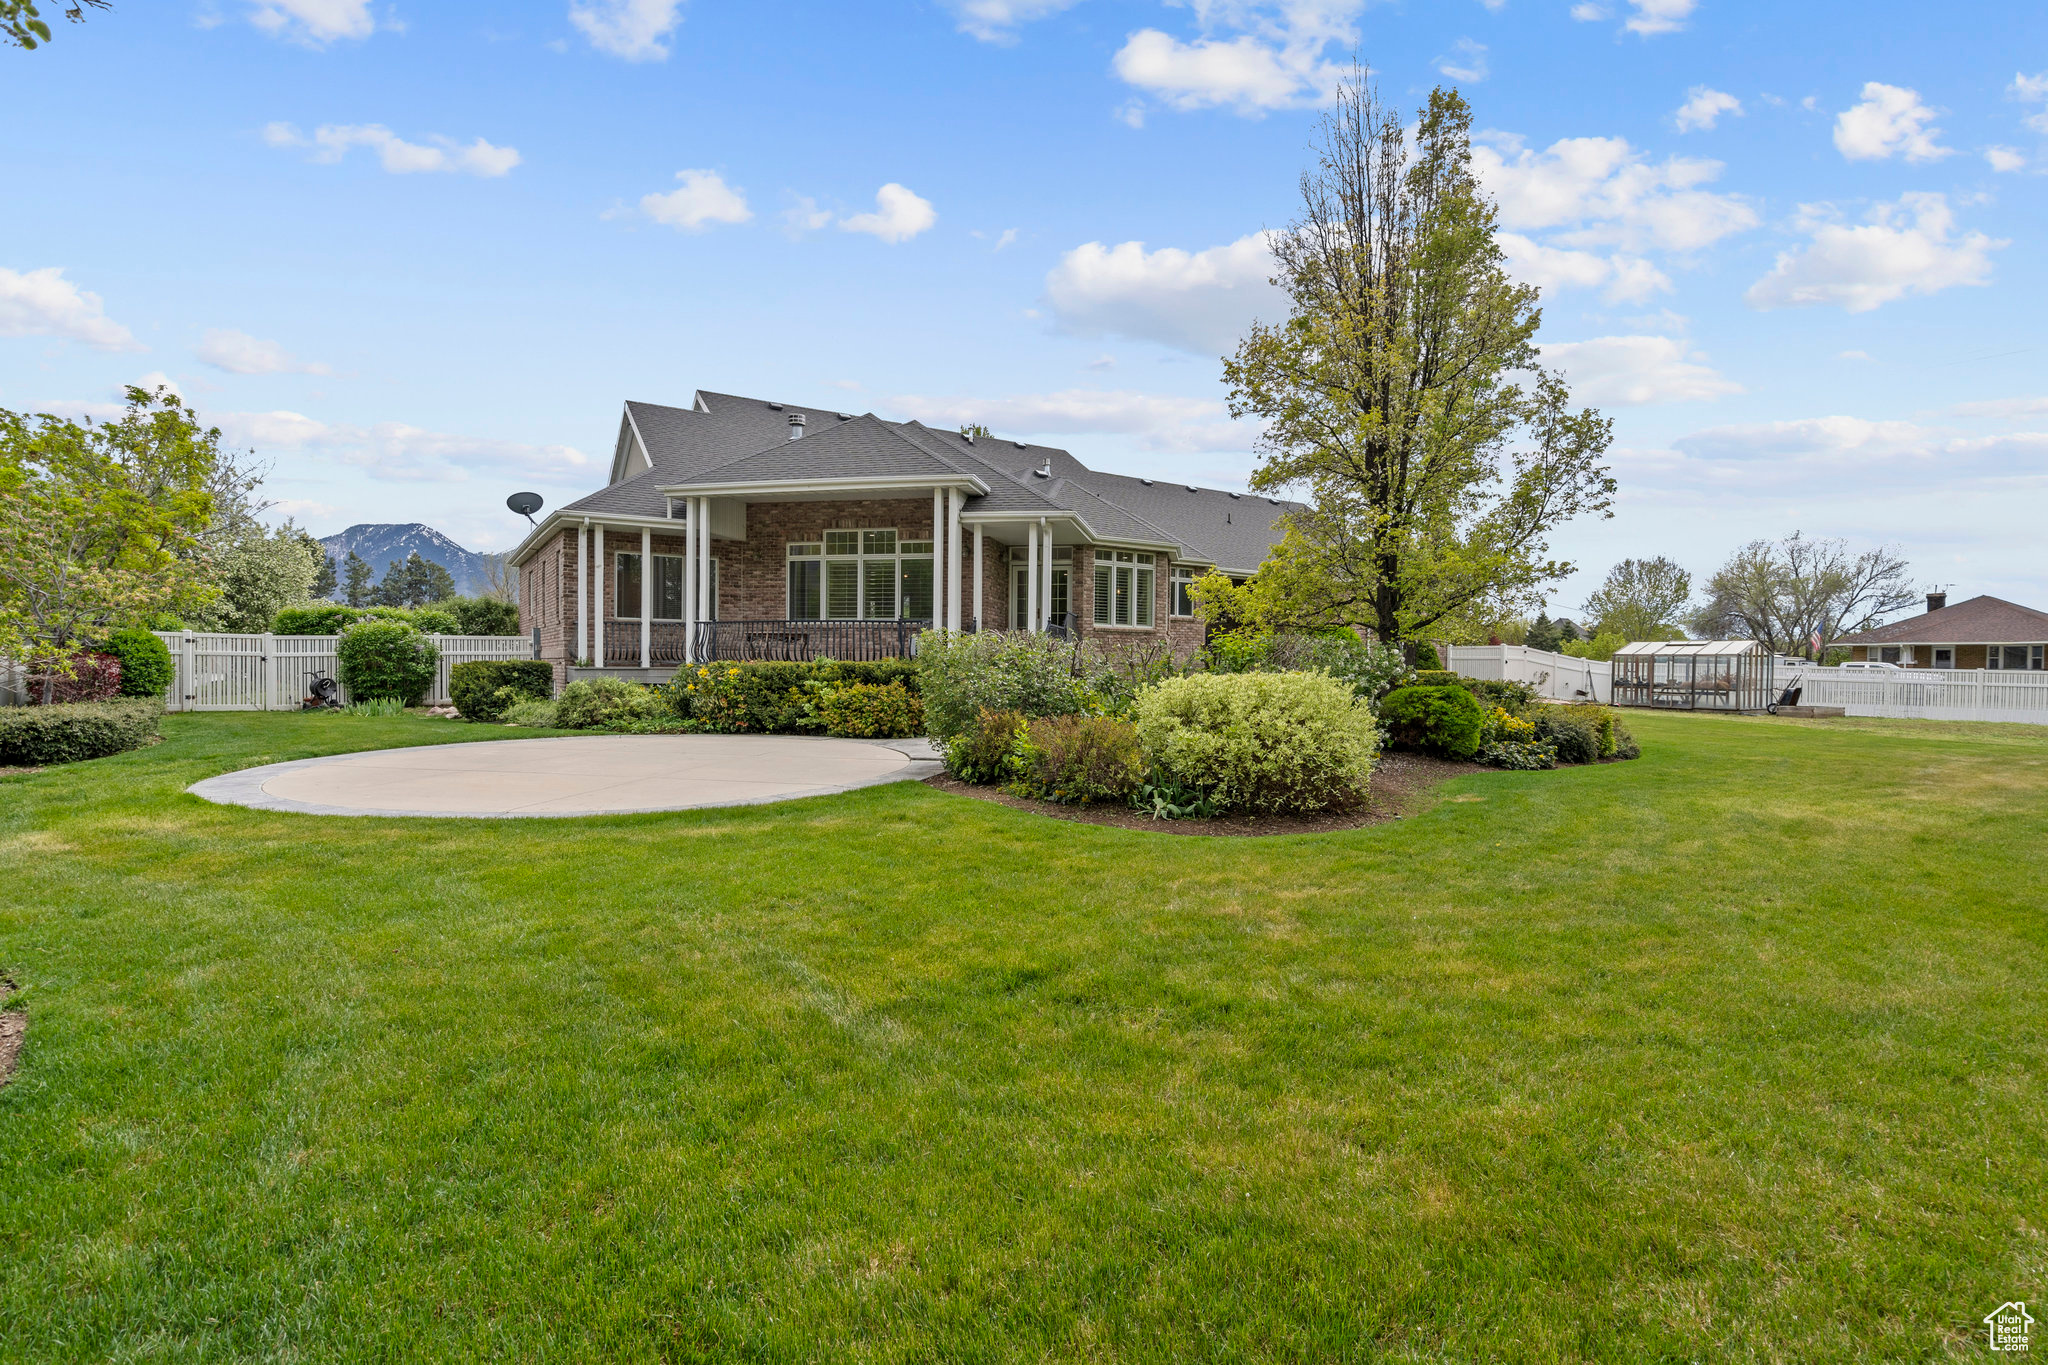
(1044, 471)
(1936, 601)
(796, 425)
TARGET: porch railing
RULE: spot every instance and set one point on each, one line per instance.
(797, 641)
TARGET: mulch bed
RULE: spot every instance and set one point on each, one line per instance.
(1402, 784)
(13, 1025)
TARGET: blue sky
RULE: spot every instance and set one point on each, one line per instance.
(416, 255)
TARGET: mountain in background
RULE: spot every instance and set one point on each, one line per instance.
(380, 544)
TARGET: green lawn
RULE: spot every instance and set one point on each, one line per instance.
(1733, 1053)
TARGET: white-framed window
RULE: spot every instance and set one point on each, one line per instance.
(1123, 588)
(865, 575)
(2013, 656)
(1183, 600)
(1888, 654)
(668, 587)
(1020, 584)
(1944, 658)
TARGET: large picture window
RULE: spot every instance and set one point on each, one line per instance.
(1123, 588)
(668, 587)
(867, 575)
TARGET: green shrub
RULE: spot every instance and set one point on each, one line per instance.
(595, 703)
(1572, 733)
(1261, 742)
(867, 710)
(1436, 677)
(538, 715)
(982, 752)
(1078, 760)
(331, 618)
(480, 615)
(1369, 669)
(963, 675)
(1444, 721)
(146, 668)
(1524, 755)
(1513, 697)
(772, 698)
(86, 677)
(483, 689)
(385, 659)
(31, 736)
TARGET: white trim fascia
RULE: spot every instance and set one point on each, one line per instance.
(638, 439)
(571, 517)
(765, 490)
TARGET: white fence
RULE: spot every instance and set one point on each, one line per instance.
(270, 672)
(1925, 693)
(1559, 677)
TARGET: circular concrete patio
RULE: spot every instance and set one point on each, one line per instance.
(573, 775)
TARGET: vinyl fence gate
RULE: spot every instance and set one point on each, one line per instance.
(270, 672)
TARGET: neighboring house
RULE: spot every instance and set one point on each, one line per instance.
(777, 531)
(1984, 632)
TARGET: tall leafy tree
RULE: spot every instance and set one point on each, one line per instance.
(1641, 599)
(357, 580)
(1786, 592)
(1403, 395)
(258, 572)
(102, 525)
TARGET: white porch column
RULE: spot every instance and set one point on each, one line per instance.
(1031, 578)
(646, 597)
(938, 558)
(597, 598)
(704, 562)
(953, 559)
(1045, 534)
(691, 523)
(582, 592)
(977, 576)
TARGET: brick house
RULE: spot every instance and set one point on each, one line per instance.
(737, 528)
(1984, 632)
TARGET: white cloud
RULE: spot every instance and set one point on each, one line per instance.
(398, 451)
(1622, 279)
(899, 215)
(1632, 370)
(1194, 301)
(331, 142)
(1160, 421)
(42, 303)
(314, 22)
(702, 199)
(1658, 16)
(633, 30)
(1703, 108)
(2005, 158)
(2006, 408)
(1891, 120)
(2032, 90)
(239, 353)
(1007, 238)
(1251, 56)
(1910, 247)
(997, 21)
(1468, 62)
(803, 215)
(1852, 355)
(1587, 12)
(1602, 191)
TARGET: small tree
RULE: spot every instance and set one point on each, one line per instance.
(357, 587)
(325, 581)
(1403, 395)
(1641, 599)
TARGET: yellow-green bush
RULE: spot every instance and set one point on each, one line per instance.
(1260, 742)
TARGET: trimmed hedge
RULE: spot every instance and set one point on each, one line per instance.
(331, 618)
(774, 698)
(385, 659)
(485, 689)
(31, 736)
(1436, 677)
(1444, 721)
(480, 615)
(146, 668)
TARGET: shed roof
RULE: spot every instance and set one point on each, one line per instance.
(1694, 649)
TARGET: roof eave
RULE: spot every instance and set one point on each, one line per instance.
(893, 483)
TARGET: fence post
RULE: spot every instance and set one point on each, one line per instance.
(187, 688)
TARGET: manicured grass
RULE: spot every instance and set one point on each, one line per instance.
(1732, 1053)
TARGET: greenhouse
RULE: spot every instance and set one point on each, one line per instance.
(1694, 675)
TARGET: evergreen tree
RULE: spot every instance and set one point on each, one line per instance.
(324, 578)
(390, 589)
(1544, 634)
(431, 582)
(356, 587)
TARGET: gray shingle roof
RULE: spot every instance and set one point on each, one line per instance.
(1979, 621)
(725, 438)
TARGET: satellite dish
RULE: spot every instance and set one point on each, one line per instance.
(525, 504)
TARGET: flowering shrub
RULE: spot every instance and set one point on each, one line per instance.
(1523, 755)
(1077, 760)
(1260, 742)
